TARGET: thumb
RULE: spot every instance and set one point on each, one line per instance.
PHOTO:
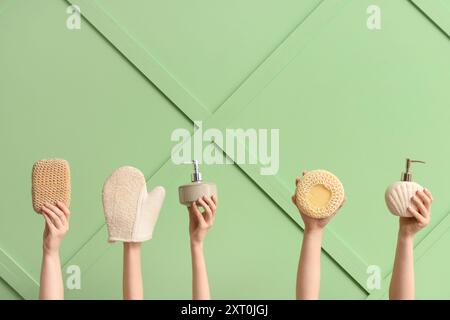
(151, 206)
(155, 198)
(157, 193)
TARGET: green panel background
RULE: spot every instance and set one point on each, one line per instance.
(345, 98)
(7, 293)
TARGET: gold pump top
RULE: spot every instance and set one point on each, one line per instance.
(407, 176)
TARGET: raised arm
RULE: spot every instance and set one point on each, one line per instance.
(402, 282)
(133, 288)
(199, 224)
(56, 227)
(308, 271)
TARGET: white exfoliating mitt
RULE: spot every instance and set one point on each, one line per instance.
(131, 213)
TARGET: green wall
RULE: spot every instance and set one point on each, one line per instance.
(345, 98)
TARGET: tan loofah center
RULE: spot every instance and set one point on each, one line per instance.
(50, 183)
(319, 194)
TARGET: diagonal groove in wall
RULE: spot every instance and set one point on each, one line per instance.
(16, 277)
(436, 12)
(264, 61)
(140, 58)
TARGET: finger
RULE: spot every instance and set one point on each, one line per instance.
(428, 193)
(48, 221)
(58, 212)
(205, 206)
(64, 209)
(417, 215)
(196, 212)
(190, 212)
(55, 219)
(420, 206)
(297, 179)
(214, 198)
(192, 208)
(343, 202)
(207, 209)
(293, 200)
(210, 204)
(425, 199)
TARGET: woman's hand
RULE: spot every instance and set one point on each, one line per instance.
(56, 225)
(422, 200)
(201, 222)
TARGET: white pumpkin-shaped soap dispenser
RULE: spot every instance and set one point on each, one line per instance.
(398, 195)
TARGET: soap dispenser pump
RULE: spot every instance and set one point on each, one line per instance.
(198, 188)
(398, 195)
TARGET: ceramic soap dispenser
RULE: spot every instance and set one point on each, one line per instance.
(398, 195)
(189, 193)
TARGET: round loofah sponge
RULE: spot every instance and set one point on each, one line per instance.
(50, 183)
(319, 194)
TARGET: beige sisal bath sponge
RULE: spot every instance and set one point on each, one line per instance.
(50, 183)
(319, 194)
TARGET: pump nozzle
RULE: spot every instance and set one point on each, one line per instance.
(407, 176)
(196, 175)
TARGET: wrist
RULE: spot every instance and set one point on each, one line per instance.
(405, 235)
(51, 252)
(196, 244)
(313, 230)
(132, 246)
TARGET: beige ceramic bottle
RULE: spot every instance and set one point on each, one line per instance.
(198, 188)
